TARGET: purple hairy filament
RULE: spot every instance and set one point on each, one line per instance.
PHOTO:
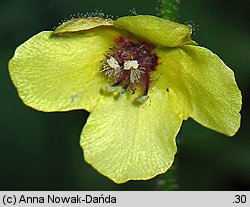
(129, 64)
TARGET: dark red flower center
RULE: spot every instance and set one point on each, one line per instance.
(129, 64)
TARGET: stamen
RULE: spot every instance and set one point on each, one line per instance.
(110, 88)
(131, 64)
(112, 68)
(135, 75)
(112, 62)
(142, 99)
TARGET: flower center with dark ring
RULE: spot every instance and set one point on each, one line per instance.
(128, 64)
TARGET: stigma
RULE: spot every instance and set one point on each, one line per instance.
(128, 64)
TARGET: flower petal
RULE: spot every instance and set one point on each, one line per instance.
(127, 141)
(54, 73)
(207, 84)
(82, 24)
(156, 30)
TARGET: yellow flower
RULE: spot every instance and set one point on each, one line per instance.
(139, 76)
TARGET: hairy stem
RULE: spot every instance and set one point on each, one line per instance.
(168, 9)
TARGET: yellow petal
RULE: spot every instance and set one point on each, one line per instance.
(206, 83)
(81, 24)
(126, 141)
(156, 30)
(55, 73)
